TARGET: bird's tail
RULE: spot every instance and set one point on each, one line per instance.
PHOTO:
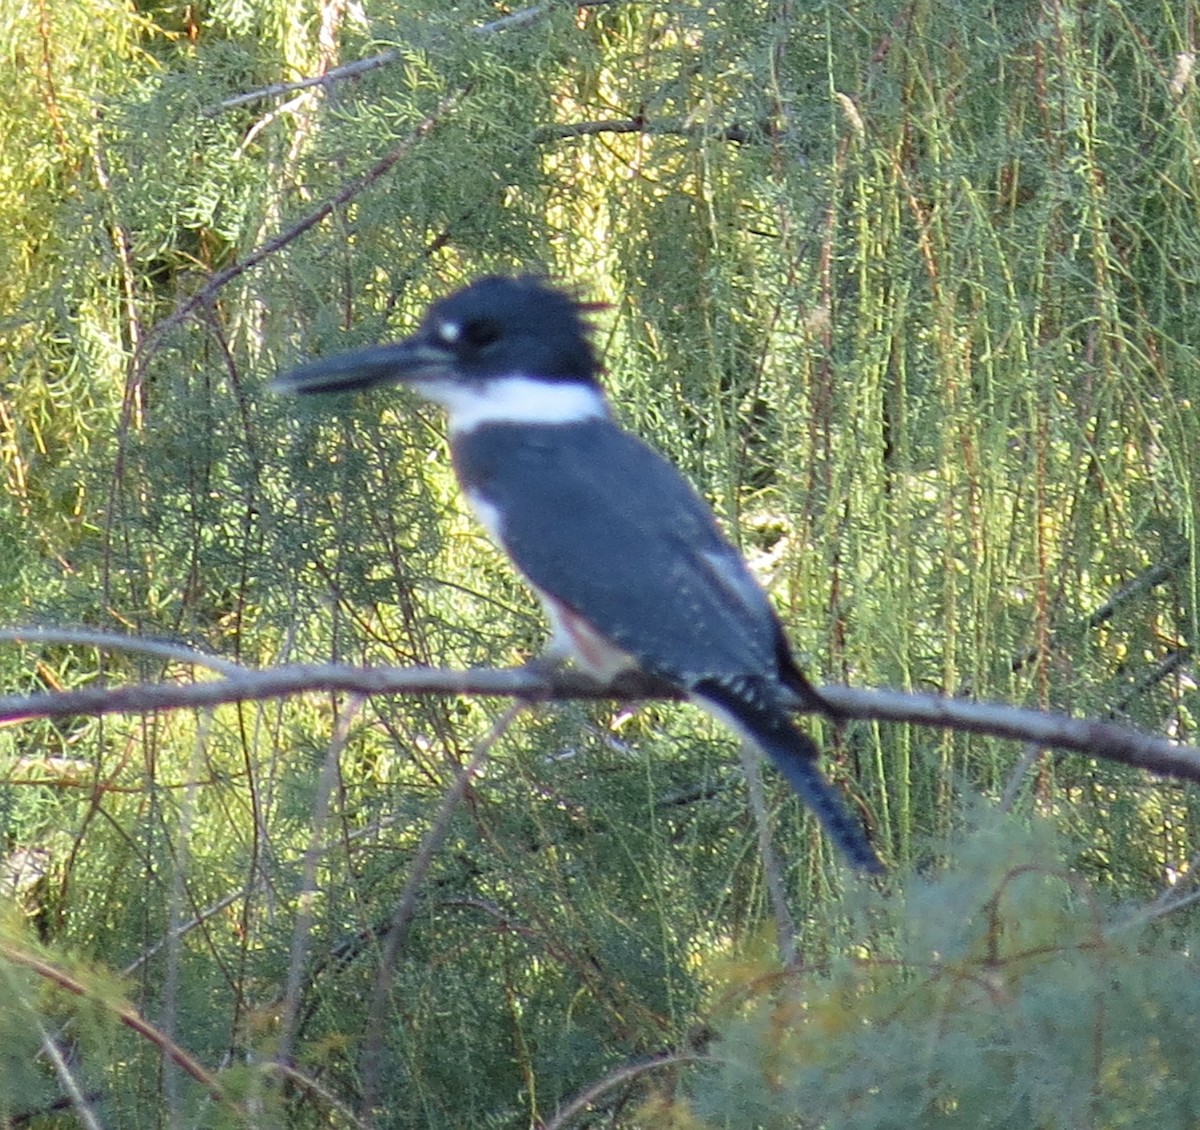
(755, 717)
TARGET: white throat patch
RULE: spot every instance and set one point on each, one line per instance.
(514, 400)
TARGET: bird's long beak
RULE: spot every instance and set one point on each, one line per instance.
(403, 362)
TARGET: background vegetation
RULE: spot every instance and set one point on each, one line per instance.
(909, 289)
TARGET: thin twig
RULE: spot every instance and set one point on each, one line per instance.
(115, 641)
(81, 1107)
(622, 1075)
(373, 1057)
(309, 886)
(344, 195)
(1017, 777)
(181, 929)
(128, 1016)
(309, 1084)
(1146, 580)
(348, 70)
(666, 127)
(785, 925)
(1173, 897)
(522, 18)
(1168, 903)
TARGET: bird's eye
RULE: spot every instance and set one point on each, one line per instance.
(480, 332)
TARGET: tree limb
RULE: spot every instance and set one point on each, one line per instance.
(1054, 731)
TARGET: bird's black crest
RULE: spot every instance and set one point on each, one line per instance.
(517, 324)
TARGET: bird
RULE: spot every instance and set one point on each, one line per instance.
(625, 556)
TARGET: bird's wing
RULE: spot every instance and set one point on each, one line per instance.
(648, 568)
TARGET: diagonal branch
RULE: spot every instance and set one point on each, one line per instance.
(344, 195)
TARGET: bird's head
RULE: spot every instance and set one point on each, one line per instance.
(501, 349)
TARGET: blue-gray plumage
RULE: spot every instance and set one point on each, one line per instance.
(578, 520)
(626, 557)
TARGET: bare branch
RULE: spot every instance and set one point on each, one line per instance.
(348, 70)
(785, 924)
(397, 935)
(80, 1103)
(344, 195)
(180, 930)
(129, 1016)
(309, 886)
(522, 18)
(1146, 580)
(256, 685)
(324, 1094)
(115, 641)
(589, 1096)
(1053, 731)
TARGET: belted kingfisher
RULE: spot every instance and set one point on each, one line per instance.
(623, 553)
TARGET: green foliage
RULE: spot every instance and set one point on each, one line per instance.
(907, 289)
(1002, 993)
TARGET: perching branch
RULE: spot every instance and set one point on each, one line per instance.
(1036, 727)
(1051, 731)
